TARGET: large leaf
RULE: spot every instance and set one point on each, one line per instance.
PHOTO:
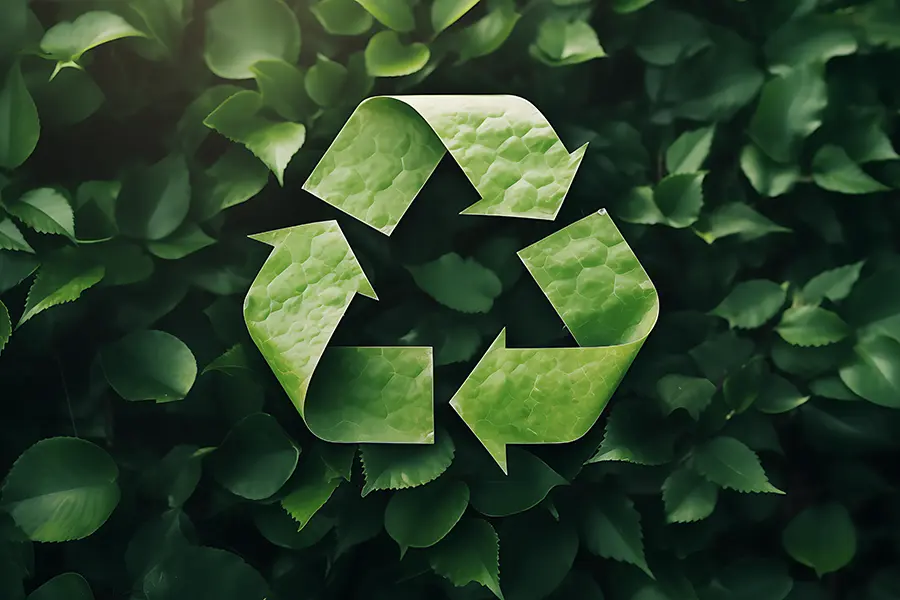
(811, 326)
(66, 42)
(342, 17)
(422, 516)
(730, 464)
(19, 123)
(392, 467)
(61, 278)
(469, 553)
(200, 573)
(461, 284)
(835, 171)
(149, 365)
(822, 538)
(751, 303)
(45, 210)
(561, 42)
(834, 284)
(874, 372)
(11, 238)
(688, 496)
(61, 489)
(68, 586)
(155, 200)
(768, 177)
(739, 219)
(395, 14)
(611, 527)
(445, 13)
(625, 437)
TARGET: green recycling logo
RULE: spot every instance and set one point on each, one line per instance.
(373, 171)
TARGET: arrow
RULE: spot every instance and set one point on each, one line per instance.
(377, 395)
(390, 146)
(554, 395)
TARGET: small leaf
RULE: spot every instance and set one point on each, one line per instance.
(277, 526)
(736, 218)
(461, 284)
(742, 386)
(256, 459)
(529, 481)
(66, 42)
(874, 372)
(422, 516)
(394, 14)
(240, 33)
(20, 126)
(233, 179)
(834, 171)
(629, 6)
(45, 210)
(5, 326)
(811, 326)
(149, 365)
(68, 586)
(488, 33)
(184, 241)
(561, 42)
(325, 81)
(688, 497)
(625, 437)
(342, 17)
(445, 13)
(395, 467)
(282, 87)
(11, 238)
(61, 489)
(175, 477)
(751, 579)
(232, 361)
(835, 284)
(751, 303)
(309, 490)
(730, 464)
(154, 201)
(680, 198)
(693, 394)
(60, 279)
(386, 56)
(688, 153)
(822, 538)
(469, 553)
(157, 539)
(768, 177)
(778, 395)
(611, 528)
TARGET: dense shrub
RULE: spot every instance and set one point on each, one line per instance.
(745, 150)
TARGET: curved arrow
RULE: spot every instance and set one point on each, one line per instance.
(391, 144)
(293, 308)
(554, 395)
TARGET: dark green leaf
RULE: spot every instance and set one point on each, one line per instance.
(149, 365)
(423, 516)
(822, 538)
(751, 303)
(730, 464)
(811, 326)
(688, 497)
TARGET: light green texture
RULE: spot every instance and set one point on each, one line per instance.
(373, 395)
(538, 396)
(389, 147)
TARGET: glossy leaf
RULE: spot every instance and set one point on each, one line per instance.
(149, 365)
(732, 465)
(751, 303)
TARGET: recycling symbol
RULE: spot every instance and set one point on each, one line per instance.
(373, 171)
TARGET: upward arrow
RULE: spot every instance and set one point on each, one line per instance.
(292, 310)
(390, 146)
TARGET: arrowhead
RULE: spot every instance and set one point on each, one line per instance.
(277, 237)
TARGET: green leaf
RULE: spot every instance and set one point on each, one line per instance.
(561, 42)
(155, 540)
(495, 494)
(325, 81)
(768, 177)
(394, 14)
(680, 198)
(232, 361)
(61, 489)
(835, 284)
(874, 372)
(61, 278)
(460, 284)
(200, 573)
(688, 153)
(751, 579)
(822, 538)
(538, 553)
(68, 586)
(20, 126)
(190, 129)
(610, 527)
(487, 34)
(69, 98)
(240, 33)
(342, 17)
(736, 218)
(625, 437)
(750, 304)
(5, 326)
(811, 326)
(778, 395)
(256, 459)
(155, 200)
(282, 87)
(423, 516)
(814, 39)
(11, 238)
(174, 478)
(45, 210)
(667, 36)
(445, 13)
(688, 497)
(387, 56)
(182, 242)
(693, 394)
(469, 553)
(730, 464)
(14, 268)
(789, 110)
(629, 6)
(13, 25)
(309, 490)
(835, 171)
(66, 42)
(274, 143)
(392, 467)
(280, 529)
(149, 365)
(233, 179)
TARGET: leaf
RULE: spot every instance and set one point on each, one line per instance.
(822, 538)
(69, 98)
(736, 218)
(149, 365)
(688, 497)
(835, 171)
(561, 42)
(693, 394)
(469, 553)
(277, 526)
(240, 33)
(68, 586)
(611, 527)
(155, 200)
(750, 304)
(233, 179)
(342, 17)
(422, 516)
(274, 143)
(625, 437)
(387, 56)
(445, 13)
(325, 81)
(530, 479)
(751, 579)
(789, 110)
(5, 326)
(730, 464)
(66, 42)
(778, 395)
(184, 241)
(61, 278)
(688, 153)
(834, 284)
(768, 177)
(680, 198)
(667, 36)
(874, 372)
(61, 489)
(45, 210)
(310, 490)
(201, 573)
(20, 126)
(281, 85)
(457, 283)
(157, 539)
(11, 238)
(487, 34)
(175, 477)
(256, 459)
(394, 14)
(393, 467)
(814, 39)
(537, 554)
(811, 326)
(232, 361)
(14, 268)
(629, 6)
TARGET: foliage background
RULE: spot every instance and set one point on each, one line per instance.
(744, 148)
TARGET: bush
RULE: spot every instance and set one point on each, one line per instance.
(743, 148)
